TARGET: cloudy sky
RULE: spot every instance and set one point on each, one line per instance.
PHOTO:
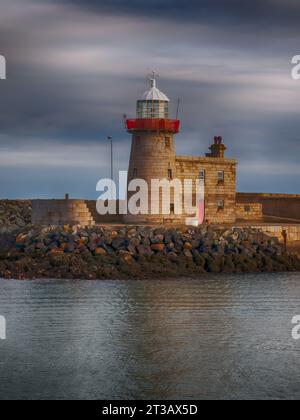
(75, 67)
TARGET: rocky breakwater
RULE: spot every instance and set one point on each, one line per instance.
(14, 215)
(139, 252)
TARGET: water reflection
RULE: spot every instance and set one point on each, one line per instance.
(219, 337)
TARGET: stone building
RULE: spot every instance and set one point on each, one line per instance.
(153, 156)
(219, 176)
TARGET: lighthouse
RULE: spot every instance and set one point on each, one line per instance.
(152, 150)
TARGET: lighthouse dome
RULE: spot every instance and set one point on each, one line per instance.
(154, 94)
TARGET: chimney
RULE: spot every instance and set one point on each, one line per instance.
(217, 149)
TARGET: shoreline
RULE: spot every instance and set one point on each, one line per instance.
(129, 272)
(139, 252)
(205, 276)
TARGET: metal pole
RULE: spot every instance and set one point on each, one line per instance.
(111, 166)
(111, 158)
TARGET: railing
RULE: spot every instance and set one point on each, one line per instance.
(153, 124)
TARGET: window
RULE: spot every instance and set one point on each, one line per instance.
(247, 209)
(135, 173)
(202, 175)
(168, 142)
(194, 200)
(172, 208)
(221, 176)
(170, 174)
(220, 204)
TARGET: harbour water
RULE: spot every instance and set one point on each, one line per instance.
(219, 337)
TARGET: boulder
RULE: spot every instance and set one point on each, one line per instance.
(126, 257)
(100, 251)
(144, 250)
(158, 247)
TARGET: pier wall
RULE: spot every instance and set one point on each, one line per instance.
(61, 212)
(292, 231)
(275, 205)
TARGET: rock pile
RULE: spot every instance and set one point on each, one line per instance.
(132, 252)
(14, 215)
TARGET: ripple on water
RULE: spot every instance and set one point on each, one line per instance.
(223, 336)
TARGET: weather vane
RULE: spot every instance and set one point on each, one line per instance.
(152, 75)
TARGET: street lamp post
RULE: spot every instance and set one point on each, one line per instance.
(111, 166)
(111, 158)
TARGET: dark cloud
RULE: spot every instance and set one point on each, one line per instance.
(262, 12)
(75, 67)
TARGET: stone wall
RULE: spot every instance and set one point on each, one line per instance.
(275, 205)
(189, 167)
(61, 212)
(292, 231)
(249, 211)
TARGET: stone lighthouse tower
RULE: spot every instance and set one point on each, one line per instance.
(153, 151)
